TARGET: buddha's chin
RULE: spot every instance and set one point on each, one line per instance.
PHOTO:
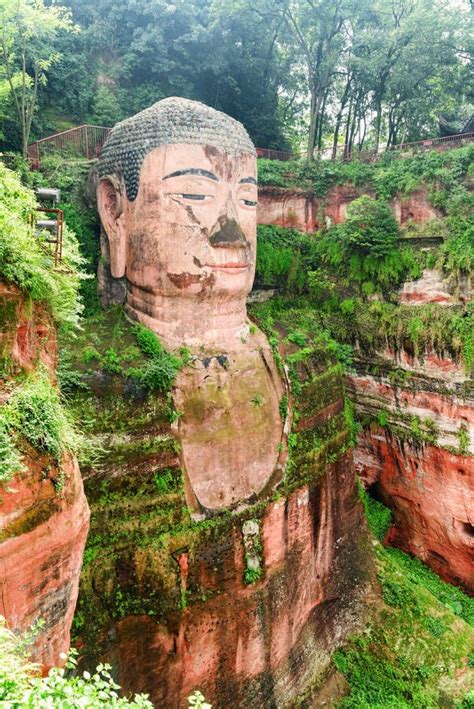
(234, 280)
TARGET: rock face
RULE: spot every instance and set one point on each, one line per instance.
(263, 643)
(431, 492)
(430, 288)
(301, 209)
(43, 511)
(421, 461)
(42, 541)
(245, 605)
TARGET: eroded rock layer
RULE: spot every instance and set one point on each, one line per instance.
(43, 511)
(416, 454)
(245, 605)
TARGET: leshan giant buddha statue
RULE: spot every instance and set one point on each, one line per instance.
(177, 198)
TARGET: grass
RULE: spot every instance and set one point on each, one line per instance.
(413, 651)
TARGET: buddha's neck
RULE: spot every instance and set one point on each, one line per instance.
(217, 324)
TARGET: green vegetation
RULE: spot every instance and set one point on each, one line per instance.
(27, 261)
(364, 250)
(109, 342)
(21, 684)
(71, 177)
(281, 258)
(10, 457)
(33, 414)
(159, 372)
(415, 641)
(300, 73)
(378, 516)
(393, 174)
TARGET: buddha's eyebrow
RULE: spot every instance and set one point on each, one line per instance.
(248, 181)
(193, 171)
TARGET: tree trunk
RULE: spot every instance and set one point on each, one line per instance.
(337, 127)
(347, 133)
(321, 122)
(312, 126)
(378, 122)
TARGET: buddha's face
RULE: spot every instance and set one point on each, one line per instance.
(191, 231)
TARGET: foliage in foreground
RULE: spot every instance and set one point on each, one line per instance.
(21, 684)
(27, 261)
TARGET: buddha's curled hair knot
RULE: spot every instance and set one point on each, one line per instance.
(172, 120)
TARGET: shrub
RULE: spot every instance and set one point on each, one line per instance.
(21, 683)
(456, 254)
(35, 412)
(10, 458)
(282, 257)
(370, 228)
(27, 261)
(160, 371)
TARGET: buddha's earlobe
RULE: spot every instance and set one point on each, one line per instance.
(110, 204)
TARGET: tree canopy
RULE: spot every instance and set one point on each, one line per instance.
(301, 74)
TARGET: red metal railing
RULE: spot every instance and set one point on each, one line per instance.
(83, 141)
(345, 152)
(87, 141)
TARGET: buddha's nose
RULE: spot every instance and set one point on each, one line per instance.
(230, 235)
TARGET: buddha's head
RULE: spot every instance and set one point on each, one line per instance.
(177, 198)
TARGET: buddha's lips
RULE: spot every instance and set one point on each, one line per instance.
(231, 267)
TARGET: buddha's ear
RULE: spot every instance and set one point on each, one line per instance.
(110, 201)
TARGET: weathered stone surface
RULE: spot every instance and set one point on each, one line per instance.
(245, 605)
(43, 511)
(264, 643)
(42, 538)
(171, 121)
(445, 416)
(302, 210)
(431, 493)
(292, 208)
(230, 431)
(422, 464)
(177, 199)
(27, 335)
(430, 288)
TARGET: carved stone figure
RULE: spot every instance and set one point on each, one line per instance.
(177, 198)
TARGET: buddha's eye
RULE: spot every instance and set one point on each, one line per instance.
(249, 203)
(196, 197)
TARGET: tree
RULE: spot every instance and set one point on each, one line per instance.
(28, 31)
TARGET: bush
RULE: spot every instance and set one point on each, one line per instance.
(34, 413)
(160, 371)
(364, 251)
(27, 261)
(370, 228)
(282, 256)
(10, 458)
(21, 684)
(456, 255)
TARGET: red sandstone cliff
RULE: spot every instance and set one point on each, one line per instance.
(421, 462)
(301, 209)
(43, 511)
